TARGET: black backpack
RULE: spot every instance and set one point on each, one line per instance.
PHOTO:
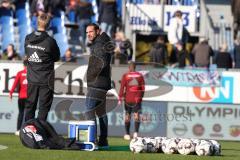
(38, 134)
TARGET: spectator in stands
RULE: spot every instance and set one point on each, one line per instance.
(10, 53)
(6, 9)
(131, 92)
(56, 6)
(68, 57)
(123, 50)
(71, 10)
(202, 53)
(7, 4)
(223, 58)
(177, 34)
(183, 57)
(107, 15)
(158, 53)
(235, 5)
(84, 12)
(38, 7)
(21, 82)
(236, 53)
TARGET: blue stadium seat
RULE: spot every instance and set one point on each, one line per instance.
(59, 31)
(176, 2)
(34, 22)
(137, 1)
(61, 41)
(7, 37)
(119, 8)
(57, 23)
(6, 22)
(23, 31)
(22, 13)
(24, 24)
(72, 16)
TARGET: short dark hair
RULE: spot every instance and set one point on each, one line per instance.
(12, 45)
(96, 26)
(132, 64)
(178, 13)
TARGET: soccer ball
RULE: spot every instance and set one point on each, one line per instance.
(136, 145)
(150, 145)
(196, 141)
(186, 146)
(216, 148)
(204, 148)
(159, 143)
(169, 146)
(177, 140)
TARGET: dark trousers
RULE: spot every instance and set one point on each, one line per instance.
(21, 107)
(45, 96)
(96, 105)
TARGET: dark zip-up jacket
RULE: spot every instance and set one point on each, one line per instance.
(41, 51)
(99, 70)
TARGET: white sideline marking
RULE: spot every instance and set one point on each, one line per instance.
(3, 147)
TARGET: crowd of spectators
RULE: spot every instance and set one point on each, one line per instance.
(81, 13)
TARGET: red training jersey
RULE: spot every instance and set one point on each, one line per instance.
(20, 80)
(132, 87)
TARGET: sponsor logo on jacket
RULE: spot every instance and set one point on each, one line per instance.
(34, 58)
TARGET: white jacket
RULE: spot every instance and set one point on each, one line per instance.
(175, 32)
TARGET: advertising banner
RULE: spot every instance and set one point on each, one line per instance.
(206, 121)
(147, 17)
(188, 16)
(65, 109)
(160, 84)
(8, 114)
(185, 77)
(228, 92)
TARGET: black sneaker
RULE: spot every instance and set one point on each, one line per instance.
(103, 144)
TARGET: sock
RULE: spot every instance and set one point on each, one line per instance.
(137, 125)
(127, 127)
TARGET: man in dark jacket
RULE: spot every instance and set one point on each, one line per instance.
(235, 5)
(158, 53)
(236, 53)
(98, 79)
(41, 51)
(107, 15)
(202, 53)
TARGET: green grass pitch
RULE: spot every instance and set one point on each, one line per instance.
(118, 151)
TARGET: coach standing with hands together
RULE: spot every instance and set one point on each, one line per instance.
(41, 51)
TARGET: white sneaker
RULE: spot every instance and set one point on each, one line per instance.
(135, 135)
(17, 133)
(126, 137)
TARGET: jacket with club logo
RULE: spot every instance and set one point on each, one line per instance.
(41, 51)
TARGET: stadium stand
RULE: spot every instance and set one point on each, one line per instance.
(7, 28)
(219, 25)
(59, 31)
(23, 24)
